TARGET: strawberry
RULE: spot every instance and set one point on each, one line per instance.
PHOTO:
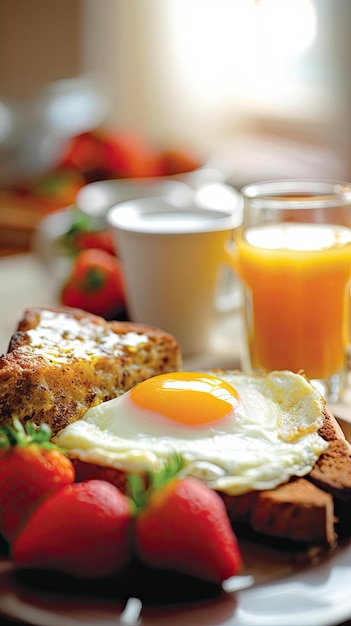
(172, 162)
(84, 153)
(31, 467)
(184, 527)
(82, 234)
(82, 530)
(57, 185)
(102, 153)
(128, 155)
(94, 239)
(95, 284)
(88, 471)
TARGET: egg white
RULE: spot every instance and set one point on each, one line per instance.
(270, 435)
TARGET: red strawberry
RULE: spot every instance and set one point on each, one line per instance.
(31, 467)
(101, 240)
(82, 530)
(185, 527)
(127, 155)
(89, 471)
(57, 185)
(95, 284)
(171, 162)
(84, 152)
(102, 153)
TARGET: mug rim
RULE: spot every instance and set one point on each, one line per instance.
(96, 198)
(128, 217)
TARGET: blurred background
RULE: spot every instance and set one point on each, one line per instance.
(255, 88)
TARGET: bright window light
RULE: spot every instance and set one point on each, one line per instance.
(286, 30)
(210, 44)
(204, 68)
(286, 27)
(239, 53)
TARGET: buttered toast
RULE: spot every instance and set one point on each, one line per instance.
(62, 361)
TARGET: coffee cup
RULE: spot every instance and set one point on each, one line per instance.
(172, 257)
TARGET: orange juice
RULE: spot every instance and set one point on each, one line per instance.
(297, 279)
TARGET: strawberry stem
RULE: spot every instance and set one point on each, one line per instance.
(137, 491)
(81, 223)
(94, 279)
(16, 434)
(140, 490)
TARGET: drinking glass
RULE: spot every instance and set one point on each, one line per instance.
(293, 257)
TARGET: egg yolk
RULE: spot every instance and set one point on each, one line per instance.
(186, 397)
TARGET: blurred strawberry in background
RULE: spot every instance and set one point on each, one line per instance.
(96, 284)
(84, 239)
(56, 188)
(101, 154)
(173, 162)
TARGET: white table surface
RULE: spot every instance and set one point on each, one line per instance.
(25, 282)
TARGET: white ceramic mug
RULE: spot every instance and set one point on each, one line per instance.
(172, 257)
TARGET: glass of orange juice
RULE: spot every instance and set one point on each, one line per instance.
(293, 256)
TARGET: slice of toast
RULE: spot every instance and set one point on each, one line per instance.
(62, 361)
(332, 472)
(314, 509)
(297, 511)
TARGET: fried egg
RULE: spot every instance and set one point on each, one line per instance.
(236, 432)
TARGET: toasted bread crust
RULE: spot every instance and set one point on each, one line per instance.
(297, 510)
(332, 472)
(92, 361)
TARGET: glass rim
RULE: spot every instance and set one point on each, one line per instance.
(304, 193)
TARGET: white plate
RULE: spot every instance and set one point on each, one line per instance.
(318, 595)
(286, 592)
